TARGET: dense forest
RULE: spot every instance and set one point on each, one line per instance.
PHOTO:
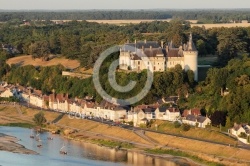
(203, 16)
(85, 41)
(225, 90)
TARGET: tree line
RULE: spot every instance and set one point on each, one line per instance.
(203, 16)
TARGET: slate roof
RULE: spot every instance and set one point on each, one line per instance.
(193, 118)
(162, 109)
(131, 46)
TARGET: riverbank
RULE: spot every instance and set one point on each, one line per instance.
(9, 144)
(100, 141)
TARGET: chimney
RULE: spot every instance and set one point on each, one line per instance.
(161, 44)
(145, 41)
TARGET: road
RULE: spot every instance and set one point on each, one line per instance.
(241, 146)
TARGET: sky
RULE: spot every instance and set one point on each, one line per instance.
(121, 4)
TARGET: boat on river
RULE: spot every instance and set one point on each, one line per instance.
(63, 151)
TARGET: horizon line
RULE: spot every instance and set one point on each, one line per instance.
(125, 9)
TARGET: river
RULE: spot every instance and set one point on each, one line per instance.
(79, 153)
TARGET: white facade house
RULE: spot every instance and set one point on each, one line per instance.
(239, 129)
(7, 93)
(136, 117)
(36, 100)
(75, 107)
(169, 114)
(200, 121)
(172, 114)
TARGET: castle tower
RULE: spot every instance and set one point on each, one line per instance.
(191, 57)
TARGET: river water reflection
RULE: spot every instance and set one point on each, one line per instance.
(79, 153)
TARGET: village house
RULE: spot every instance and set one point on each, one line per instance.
(36, 98)
(89, 108)
(170, 114)
(53, 102)
(62, 102)
(6, 92)
(141, 114)
(199, 121)
(111, 111)
(239, 130)
(75, 107)
(25, 94)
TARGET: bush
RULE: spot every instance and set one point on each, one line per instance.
(131, 123)
(243, 135)
(186, 127)
(177, 124)
(39, 119)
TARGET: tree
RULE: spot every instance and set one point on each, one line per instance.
(228, 122)
(39, 119)
(190, 77)
(231, 42)
(186, 127)
(201, 46)
(39, 49)
(218, 118)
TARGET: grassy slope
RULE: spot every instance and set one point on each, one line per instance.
(10, 115)
(88, 125)
(193, 132)
(200, 147)
(27, 60)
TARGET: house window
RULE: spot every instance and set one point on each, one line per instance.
(138, 62)
(154, 68)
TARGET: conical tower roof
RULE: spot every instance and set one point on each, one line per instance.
(190, 44)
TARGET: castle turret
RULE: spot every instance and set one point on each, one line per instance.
(191, 57)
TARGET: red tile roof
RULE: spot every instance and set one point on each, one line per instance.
(194, 111)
